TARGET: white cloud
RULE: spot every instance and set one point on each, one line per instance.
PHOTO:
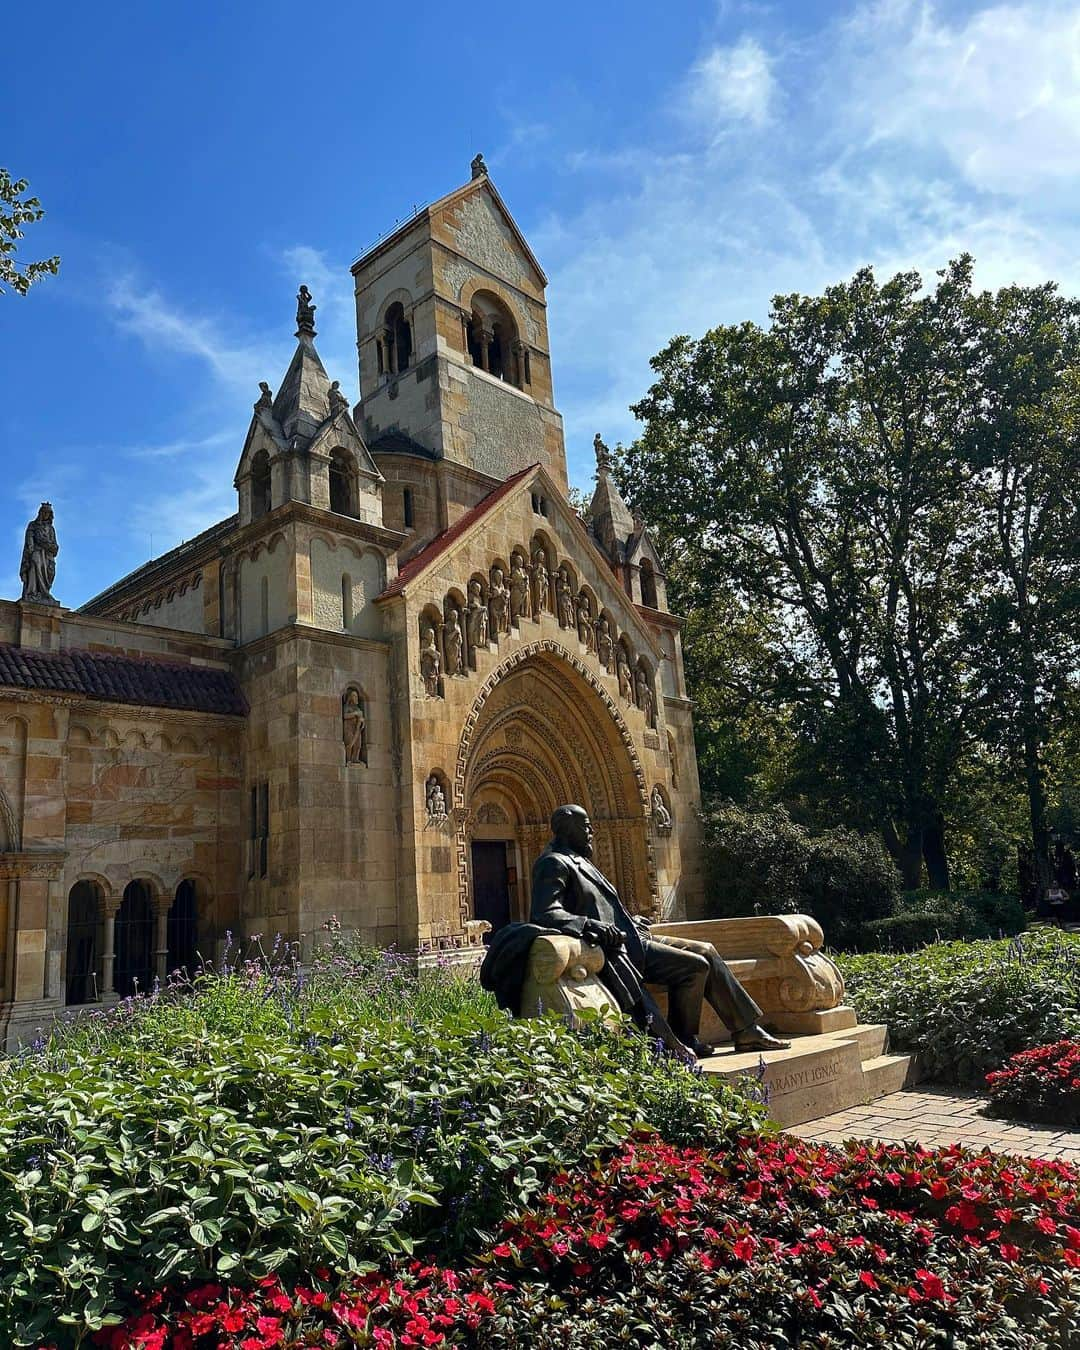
(903, 138)
(165, 326)
(997, 92)
(730, 85)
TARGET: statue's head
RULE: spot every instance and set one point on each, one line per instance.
(352, 698)
(572, 827)
(45, 511)
(496, 576)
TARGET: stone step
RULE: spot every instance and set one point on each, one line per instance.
(819, 1075)
(888, 1073)
(872, 1039)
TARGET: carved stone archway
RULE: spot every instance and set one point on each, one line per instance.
(544, 731)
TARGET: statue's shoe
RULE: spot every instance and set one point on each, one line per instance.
(702, 1049)
(757, 1038)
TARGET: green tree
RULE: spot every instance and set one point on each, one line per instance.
(809, 474)
(1025, 445)
(16, 210)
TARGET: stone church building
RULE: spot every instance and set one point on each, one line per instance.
(363, 694)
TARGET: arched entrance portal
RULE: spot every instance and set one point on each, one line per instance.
(544, 732)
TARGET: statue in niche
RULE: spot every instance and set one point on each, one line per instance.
(476, 623)
(338, 401)
(519, 588)
(645, 698)
(564, 599)
(435, 798)
(37, 570)
(499, 603)
(605, 646)
(452, 641)
(540, 580)
(430, 661)
(661, 815)
(585, 621)
(354, 728)
(626, 680)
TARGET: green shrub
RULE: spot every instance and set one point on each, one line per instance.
(256, 1127)
(945, 916)
(965, 1007)
(762, 862)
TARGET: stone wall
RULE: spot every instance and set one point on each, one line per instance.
(332, 838)
(331, 562)
(180, 606)
(271, 561)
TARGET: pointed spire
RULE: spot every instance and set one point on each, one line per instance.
(305, 314)
(612, 523)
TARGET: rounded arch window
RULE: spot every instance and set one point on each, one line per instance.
(260, 484)
(492, 339)
(342, 482)
(85, 922)
(648, 584)
(135, 941)
(182, 929)
(398, 339)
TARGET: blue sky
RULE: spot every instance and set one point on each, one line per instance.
(673, 166)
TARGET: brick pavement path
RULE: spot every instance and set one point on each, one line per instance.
(937, 1116)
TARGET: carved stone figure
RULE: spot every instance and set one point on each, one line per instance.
(478, 167)
(452, 642)
(645, 698)
(585, 621)
(430, 661)
(661, 815)
(673, 755)
(476, 624)
(603, 454)
(519, 588)
(266, 398)
(571, 895)
(354, 728)
(305, 312)
(564, 599)
(541, 593)
(436, 801)
(37, 570)
(626, 680)
(338, 401)
(604, 644)
(499, 603)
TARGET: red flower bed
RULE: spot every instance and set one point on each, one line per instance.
(773, 1243)
(1041, 1084)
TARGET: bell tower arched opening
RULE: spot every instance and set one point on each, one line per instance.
(546, 733)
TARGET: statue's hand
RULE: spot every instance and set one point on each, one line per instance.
(603, 935)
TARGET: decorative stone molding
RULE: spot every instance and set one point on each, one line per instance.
(49, 866)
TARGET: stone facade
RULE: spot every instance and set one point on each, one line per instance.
(361, 696)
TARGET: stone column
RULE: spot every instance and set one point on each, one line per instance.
(108, 956)
(161, 938)
(518, 349)
(484, 336)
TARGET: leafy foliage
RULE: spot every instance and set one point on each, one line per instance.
(770, 1243)
(945, 916)
(762, 862)
(871, 509)
(271, 1123)
(1041, 1084)
(16, 210)
(965, 1007)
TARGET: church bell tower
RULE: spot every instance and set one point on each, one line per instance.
(455, 371)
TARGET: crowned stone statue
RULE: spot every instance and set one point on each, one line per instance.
(37, 571)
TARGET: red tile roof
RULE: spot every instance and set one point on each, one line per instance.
(122, 679)
(442, 542)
